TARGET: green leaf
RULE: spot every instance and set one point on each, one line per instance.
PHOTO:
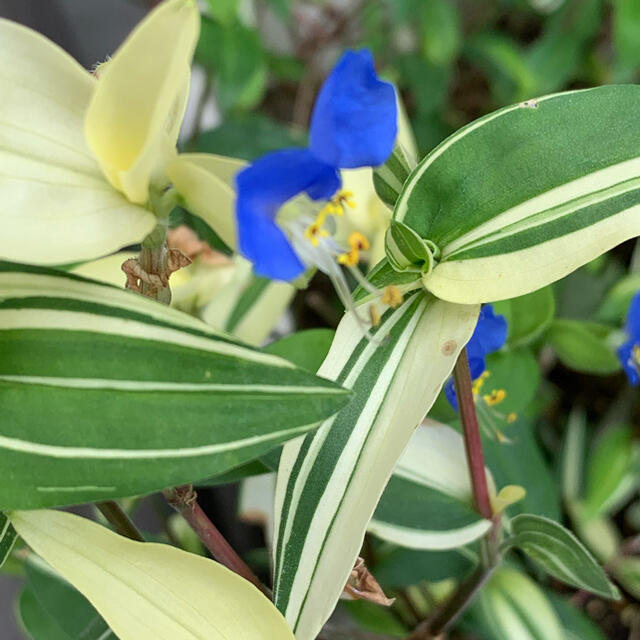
(512, 606)
(576, 624)
(573, 454)
(242, 70)
(306, 349)
(247, 136)
(375, 618)
(626, 31)
(517, 372)
(8, 537)
(583, 346)
(616, 303)
(560, 554)
(427, 503)
(402, 567)
(527, 316)
(627, 572)
(610, 469)
(106, 393)
(328, 486)
(63, 604)
(224, 11)
(389, 178)
(36, 621)
(520, 461)
(548, 185)
(146, 591)
(441, 31)
(504, 62)
(557, 55)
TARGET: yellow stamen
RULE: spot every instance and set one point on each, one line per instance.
(495, 397)
(374, 316)
(350, 258)
(511, 418)
(479, 381)
(392, 296)
(635, 354)
(358, 241)
(314, 232)
(345, 198)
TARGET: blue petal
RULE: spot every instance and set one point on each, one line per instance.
(450, 393)
(628, 362)
(633, 317)
(263, 187)
(354, 122)
(489, 335)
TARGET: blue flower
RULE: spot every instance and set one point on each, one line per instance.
(354, 124)
(489, 335)
(629, 352)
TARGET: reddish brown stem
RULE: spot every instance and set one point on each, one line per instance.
(184, 500)
(471, 434)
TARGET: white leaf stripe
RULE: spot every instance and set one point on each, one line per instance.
(428, 539)
(8, 537)
(27, 281)
(560, 553)
(541, 190)
(561, 201)
(346, 478)
(87, 388)
(310, 459)
(136, 385)
(89, 453)
(516, 273)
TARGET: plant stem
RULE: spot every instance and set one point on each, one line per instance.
(471, 434)
(458, 602)
(184, 500)
(120, 521)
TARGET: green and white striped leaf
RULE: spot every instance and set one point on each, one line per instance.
(148, 591)
(525, 195)
(560, 554)
(248, 306)
(389, 178)
(328, 485)
(105, 393)
(8, 537)
(513, 607)
(427, 503)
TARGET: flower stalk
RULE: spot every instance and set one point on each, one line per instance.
(463, 596)
(184, 500)
(119, 520)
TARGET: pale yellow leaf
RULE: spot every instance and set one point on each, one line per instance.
(205, 182)
(148, 591)
(56, 206)
(134, 117)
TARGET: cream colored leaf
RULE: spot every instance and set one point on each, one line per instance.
(148, 591)
(134, 117)
(205, 181)
(56, 206)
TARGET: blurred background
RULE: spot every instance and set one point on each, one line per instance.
(261, 62)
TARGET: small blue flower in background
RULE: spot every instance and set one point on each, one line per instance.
(354, 124)
(629, 352)
(489, 335)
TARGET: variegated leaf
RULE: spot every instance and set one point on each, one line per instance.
(428, 474)
(8, 537)
(328, 485)
(106, 393)
(525, 195)
(148, 591)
